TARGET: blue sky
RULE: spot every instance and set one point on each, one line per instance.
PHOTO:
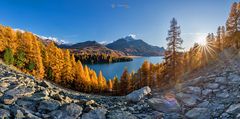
(107, 20)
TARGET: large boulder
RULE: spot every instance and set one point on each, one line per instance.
(137, 95)
(20, 91)
(164, 105)
(48, 105)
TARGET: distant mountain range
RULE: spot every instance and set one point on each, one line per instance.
(137, 47)
(91, 47)
(127, 46)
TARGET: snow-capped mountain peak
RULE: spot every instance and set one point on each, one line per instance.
(50, 38)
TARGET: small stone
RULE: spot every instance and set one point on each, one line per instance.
(221, 80)
(206, 92)
(88, 108)
(19, 115)
(193, 90)
(234, 78)
(198, 113)
(235, 108)
(204, 104)
(45, 84)
(223, 94)
(225, 116)
(4, 85)
(90, 102)
(213, 85)
(164, 105)
(195, 81)
(57, 97)
(8, 99)
(131, 109)
(95, 114)
(157, 115)
(4, 114)
(238, 116)
(118, 114)
(187, 99)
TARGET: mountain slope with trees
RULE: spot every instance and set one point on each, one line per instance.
(29, 54)
(92, 52)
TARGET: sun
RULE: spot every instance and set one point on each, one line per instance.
(201, 39)
(201, 42)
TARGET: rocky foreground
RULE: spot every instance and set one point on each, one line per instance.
(214, 95)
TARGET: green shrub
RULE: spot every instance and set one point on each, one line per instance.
(8, 56)
(20, 59)
(31, 66)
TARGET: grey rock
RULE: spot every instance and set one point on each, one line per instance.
(157, 115)
(233, 109)
(212, 85)
(234, 78)
(31, 116)
(221, 80)
(143, 116)
(137, 95)
(4, 114)
(238, 116)
(118, 114)
(164, 105)
(42, 95)
(19, 115)
(48, 105)
(193, 90)
(131, 109)
(27, 103)
(225, 116)
(20, 91)
(198, 113)
(4, 84)
(70, 111)
(195, 81)
(45, 84)
(223, 94)
(206, 92)
(57, 97)
(173, 116)
(204, 104)
(8, 99)
(90, 102)
(95, 114)
(187, 99)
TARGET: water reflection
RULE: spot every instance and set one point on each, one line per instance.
(116, 69)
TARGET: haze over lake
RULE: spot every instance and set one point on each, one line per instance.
(116, 69)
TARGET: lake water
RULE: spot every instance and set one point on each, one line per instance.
(116, 69)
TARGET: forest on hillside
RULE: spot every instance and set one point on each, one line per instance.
(29, 54)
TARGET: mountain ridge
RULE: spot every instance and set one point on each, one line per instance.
(136, 47)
